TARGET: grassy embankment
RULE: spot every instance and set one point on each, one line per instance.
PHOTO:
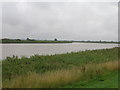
(59, 70)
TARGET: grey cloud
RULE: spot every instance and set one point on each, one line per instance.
(71, 21)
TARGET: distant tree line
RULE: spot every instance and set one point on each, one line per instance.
(28, 40)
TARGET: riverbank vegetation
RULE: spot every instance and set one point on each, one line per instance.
(53, 71)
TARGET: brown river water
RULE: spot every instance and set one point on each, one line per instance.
(48, 49)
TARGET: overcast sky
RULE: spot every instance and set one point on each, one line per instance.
(61, 20)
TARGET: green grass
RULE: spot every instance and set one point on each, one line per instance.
(108, 80)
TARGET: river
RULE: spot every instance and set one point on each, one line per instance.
(48, 49)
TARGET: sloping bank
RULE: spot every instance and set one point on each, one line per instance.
(58, 70)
